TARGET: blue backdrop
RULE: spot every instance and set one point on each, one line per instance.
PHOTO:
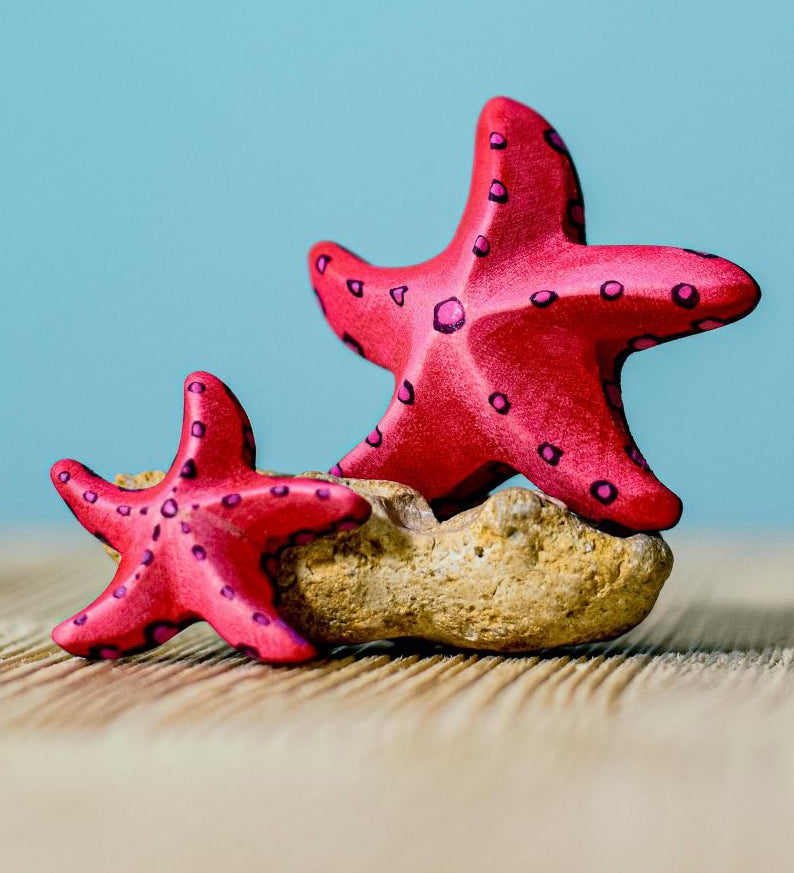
(164, 168)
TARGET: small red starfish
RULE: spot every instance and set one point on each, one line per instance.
(507, 348)
(202, 544)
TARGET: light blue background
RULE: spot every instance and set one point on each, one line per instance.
(164, 167)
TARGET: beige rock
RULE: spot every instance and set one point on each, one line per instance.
(517, 573)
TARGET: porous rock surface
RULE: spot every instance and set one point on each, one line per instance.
(517, 573)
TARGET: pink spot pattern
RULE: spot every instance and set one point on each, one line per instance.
(523, 306)
(173, 576)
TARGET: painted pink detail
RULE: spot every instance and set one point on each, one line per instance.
(710, 324)
(163, 633)
(450, 312)
(497, 192)
(551, 357)
(543, 298)
(613, 395)
(404, 394)
(347, 525)
(499, 401)
(556, 140)
(398, 294)
(171, 574)
(611, 290)
(481, 246)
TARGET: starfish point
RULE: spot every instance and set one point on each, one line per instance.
(202, 544)
(507, 348)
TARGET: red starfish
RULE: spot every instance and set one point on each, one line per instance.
(507, 347)
(202, 544)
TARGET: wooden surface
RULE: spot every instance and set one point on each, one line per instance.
(671, 749)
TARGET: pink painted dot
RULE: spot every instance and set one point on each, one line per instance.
(499, 401)
(228, 592)
(80, 620)
(336, 470)
(611, 290)
(404, 394)
(548, 453)
(279, 490)
(556, 141)
(199, 553)
(120, 592)
(323, 493)
(109, 653)
(604, 492)
(321, 263)
(163, 633)
(481, 246)
(260, 618)
(124, 509)
(196, 387)
(64, 476)
(398, 294)
(709, 324)
(544, 298)
(347, 525)
(497, 192)
(197, 429)
(497, 141)
(644, 342)
(448, 315)
(90, 496)
(613, 395)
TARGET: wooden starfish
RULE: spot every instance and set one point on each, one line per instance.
(507, 348)
(203, 543)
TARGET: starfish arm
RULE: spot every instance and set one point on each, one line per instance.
(635, 292)
(217, 440)
(105, 510)
(524, 191)
(450, 474)
(565, 429)
(233, 592)
(289, 508)
(368, 307)
(133, 614)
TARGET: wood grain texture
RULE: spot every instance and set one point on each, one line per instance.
(669, 749)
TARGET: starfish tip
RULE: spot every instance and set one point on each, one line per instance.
(62, 471)
(199, 381)
(66, 636)
(661, 512)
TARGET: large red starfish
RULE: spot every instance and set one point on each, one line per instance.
(202, 544)
(507, 347)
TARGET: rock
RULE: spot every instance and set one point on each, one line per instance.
(517, 573)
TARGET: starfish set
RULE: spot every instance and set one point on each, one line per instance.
(507, 351)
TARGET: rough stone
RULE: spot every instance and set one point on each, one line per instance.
(520, 572)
